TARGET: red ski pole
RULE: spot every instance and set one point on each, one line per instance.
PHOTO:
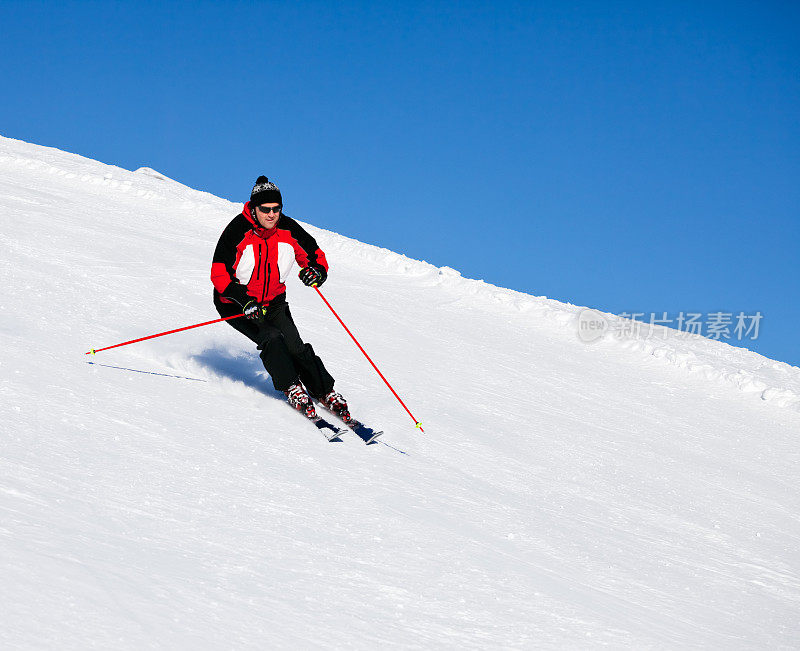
(416, 422)
(161, 334)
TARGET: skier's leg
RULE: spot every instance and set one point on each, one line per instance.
(312, 371)
(274, 353)
(277, 360)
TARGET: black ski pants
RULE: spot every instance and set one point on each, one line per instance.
(284, 354)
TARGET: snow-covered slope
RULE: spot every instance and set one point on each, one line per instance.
(563, 495)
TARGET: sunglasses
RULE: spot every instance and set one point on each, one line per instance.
(267, 211)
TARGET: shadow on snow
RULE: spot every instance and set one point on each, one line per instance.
(246, 369)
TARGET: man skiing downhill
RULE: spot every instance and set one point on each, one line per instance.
(253, 256)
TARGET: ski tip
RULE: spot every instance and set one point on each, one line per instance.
(372, 438)
(329, 431)
(334, 434)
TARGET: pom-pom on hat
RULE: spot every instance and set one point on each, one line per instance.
(265, 191)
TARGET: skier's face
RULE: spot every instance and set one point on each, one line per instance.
(267, 214)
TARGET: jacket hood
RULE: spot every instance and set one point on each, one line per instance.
(258, 228)
(249, 215)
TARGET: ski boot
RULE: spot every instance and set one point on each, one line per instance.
(335, 403)
(299, 399)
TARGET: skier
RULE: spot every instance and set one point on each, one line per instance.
(253, 256)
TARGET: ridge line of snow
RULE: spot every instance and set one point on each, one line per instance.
(144, 183)
(776, 382)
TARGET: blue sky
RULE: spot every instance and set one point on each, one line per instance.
(628, 156)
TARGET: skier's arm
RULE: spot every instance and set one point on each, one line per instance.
(306, 250)
(222, 273)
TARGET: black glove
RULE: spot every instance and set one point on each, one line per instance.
(254, 312)
(312, 276)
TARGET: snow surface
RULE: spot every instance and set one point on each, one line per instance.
(638, 494)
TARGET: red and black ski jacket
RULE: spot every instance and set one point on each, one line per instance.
(251, 262)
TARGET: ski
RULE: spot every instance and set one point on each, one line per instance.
(333, 432)
(329, 430)
(366, 434)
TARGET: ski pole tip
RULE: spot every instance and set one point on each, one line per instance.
(91, 352)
